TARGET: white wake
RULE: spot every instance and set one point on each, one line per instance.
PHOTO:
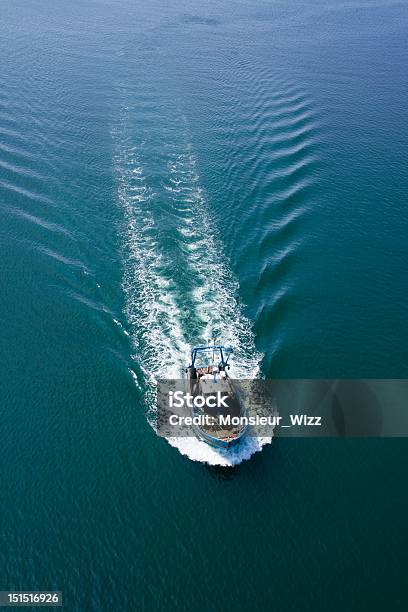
(154, 300)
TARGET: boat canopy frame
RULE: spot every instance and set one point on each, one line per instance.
(225, 353)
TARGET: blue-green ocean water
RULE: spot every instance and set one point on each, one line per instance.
(170, 170)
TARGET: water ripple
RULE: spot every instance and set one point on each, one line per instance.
(271, 145)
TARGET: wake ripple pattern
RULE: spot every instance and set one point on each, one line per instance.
(178, 286)
(271, 151)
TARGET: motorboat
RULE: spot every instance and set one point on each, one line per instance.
(221, 408)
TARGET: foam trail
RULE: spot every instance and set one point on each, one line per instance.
(215, 292)
(154, 302)
(151, 309)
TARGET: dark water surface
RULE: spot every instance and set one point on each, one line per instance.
(169, 171)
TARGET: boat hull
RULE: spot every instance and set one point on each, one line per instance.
(218, 442)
